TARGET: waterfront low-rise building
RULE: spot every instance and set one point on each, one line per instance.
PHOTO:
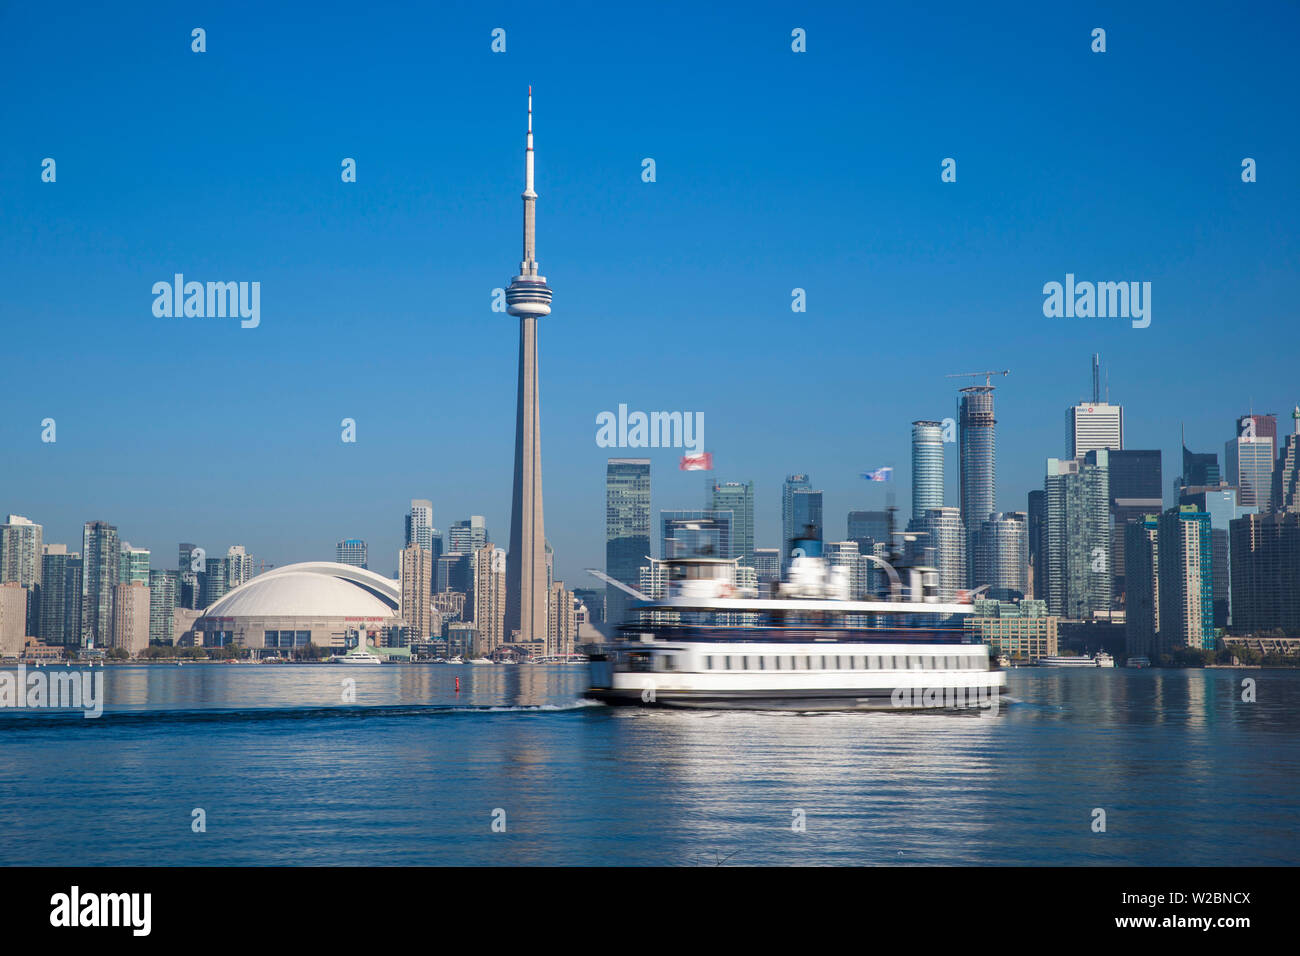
(1020, 630)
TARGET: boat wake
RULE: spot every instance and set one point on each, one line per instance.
(35, 720)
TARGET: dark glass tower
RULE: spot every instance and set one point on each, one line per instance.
(627, 529)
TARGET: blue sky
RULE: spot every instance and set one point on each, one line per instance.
(775, 170)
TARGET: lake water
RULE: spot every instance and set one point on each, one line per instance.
(415, 772)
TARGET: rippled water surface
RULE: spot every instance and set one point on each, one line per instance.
(414, 771)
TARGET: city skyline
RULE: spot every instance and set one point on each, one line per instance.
(348, 276)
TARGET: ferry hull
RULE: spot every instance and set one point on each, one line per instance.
(800, 701)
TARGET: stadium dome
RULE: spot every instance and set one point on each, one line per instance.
(314, 589)
(316, 602)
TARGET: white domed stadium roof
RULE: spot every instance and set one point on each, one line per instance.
(311, 589)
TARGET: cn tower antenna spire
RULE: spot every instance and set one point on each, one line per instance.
(529, 265)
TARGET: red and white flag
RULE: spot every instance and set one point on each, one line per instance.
(700, 462)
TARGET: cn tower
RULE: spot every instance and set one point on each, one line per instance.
(529, 298)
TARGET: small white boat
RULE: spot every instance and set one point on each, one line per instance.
(1104, 660)
(1139, 661)
(455, 660)
(480, 660)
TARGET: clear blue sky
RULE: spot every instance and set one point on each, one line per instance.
(775, 170)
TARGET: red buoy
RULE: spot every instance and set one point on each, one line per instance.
(458, 685)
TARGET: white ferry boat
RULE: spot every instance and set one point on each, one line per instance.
(1104, 660)
(1138, 662)
(1068, 661)
(808, 647)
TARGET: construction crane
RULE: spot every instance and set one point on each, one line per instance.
(988, 375)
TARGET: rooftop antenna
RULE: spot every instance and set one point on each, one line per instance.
(1096, 368)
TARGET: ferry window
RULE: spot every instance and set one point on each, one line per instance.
(823, 662)
(838, 665)
(761, 662)
(728, 660)
(776, 663)
(794, 663)
(744, 663)
(708, 662)
(667, 661)
(807, 663)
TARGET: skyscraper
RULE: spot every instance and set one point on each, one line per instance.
(767, 565)
(60, 618)
(978, 451)
(1142, 577)
(927, 468)
(467, 535)
(1200, 469)
(489, 597)
(416, 564)
(163, 587)
(738, 498)
(131, 617)
(135, 565)
(1249, 459)
(20, 551)
(240, 565)
(1186, 582)
(1266, 573)
(1136, 489)
(943, 544)
(801, 510)
(627, 528)
(1037, 520)
(1093, 425)
(419, 524)
(1002, 556)
(348, 551)
(1221, 505)
(20, 563)
(101, 564)
(692, 533)
(528, 298)
(789, 531)
(1286, 473)
(1078, 535)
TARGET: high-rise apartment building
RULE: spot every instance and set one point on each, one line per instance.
(489, 597)
(135, 565)
(416, 564)
(789, 531)
(942, 539)
(1037, 532)
(13, 619)
(1077, 495)
(927, 468)
(1221, 505)
(1186, 580)
(60, 617)
(131, 617)
(20, 562)
(561, 624)
(978, 454)
(627, 528)
(163, 588)
(351, 551)
(845, 554)
(1002, 556)
(101, 556)
(738, 498)
(1142, 564)
(240, 566)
